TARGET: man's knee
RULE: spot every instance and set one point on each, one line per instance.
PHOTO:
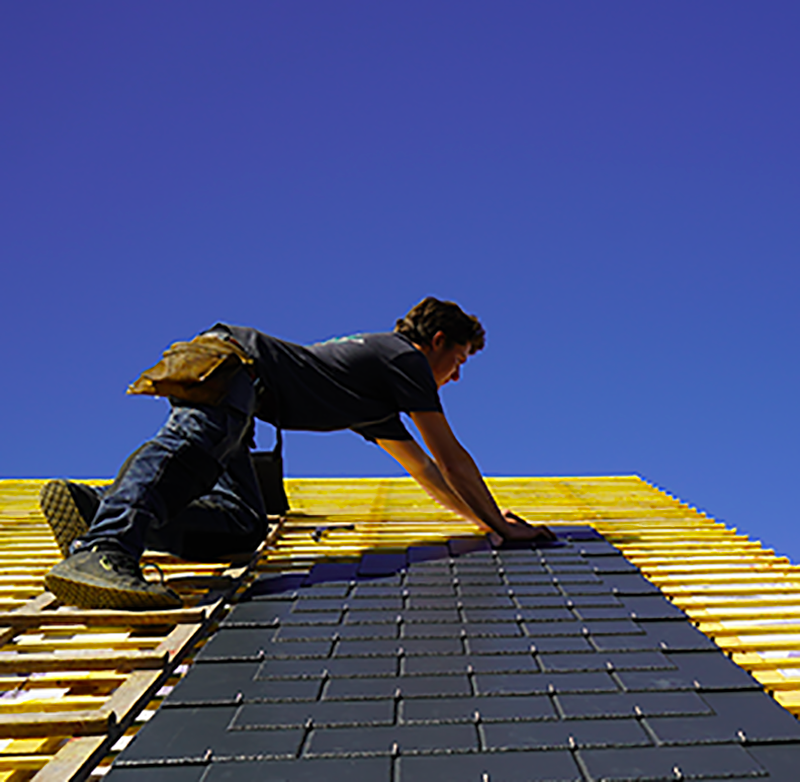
(218, 430)
(188, 474)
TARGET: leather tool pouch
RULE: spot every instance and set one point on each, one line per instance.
(198, 371)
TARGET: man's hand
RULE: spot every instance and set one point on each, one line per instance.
(519, 529)
(453, 479)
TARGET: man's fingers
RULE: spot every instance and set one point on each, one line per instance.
(512, 517)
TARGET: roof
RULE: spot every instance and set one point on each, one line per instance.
(405, 646)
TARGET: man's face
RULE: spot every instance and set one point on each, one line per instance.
(446, 361)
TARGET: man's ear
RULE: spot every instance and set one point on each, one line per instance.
(439, 340)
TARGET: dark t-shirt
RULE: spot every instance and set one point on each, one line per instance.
(362, 382)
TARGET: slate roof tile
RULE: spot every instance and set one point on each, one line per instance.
(383, 647)
(651, 607)
(408, 686)
(523, 684)
(329, 770)
(619, 661)
(187, 734)
(782, 760)
(670, 763)
(264, 612)
(692, 670)
(628, 584)
(560, 644)
(220, 683)
(345, 666)
(554, 735)
(348, 713)
(159, 774)
(531, 767)
(749, 714)
(466, 630)
(535, 707)
(381, 739)
(626, 704)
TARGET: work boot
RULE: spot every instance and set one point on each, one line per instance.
(69, 509)
(105, 576)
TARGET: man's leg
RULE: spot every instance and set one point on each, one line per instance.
(181, 463)
(228, 522)
(69, 509)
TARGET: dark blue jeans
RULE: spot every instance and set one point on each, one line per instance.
(191, 490)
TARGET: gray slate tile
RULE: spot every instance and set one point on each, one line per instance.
(652, 607)
(220, 682)
(333, 770)
(380, 739)
(626, 704)
(629, 584)
(266, 612)
(782, 761)
(156, 774)
(342, 713)
(692, 670)
(562, 734)
(200, 688)
(712, 762)
(524, 684)
(408, 686)
(508, 767)
(754, 713)
(532, 707)
(338, 667)
(187, 734)
(604, 661)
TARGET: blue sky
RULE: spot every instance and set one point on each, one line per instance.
(612, 187)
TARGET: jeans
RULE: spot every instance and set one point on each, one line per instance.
(191, 490)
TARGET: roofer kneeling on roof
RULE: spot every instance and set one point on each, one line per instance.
(192, 490)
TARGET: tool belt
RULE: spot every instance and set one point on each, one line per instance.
(198, 371)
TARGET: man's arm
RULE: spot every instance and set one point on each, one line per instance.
(453, 479)
(424, 471)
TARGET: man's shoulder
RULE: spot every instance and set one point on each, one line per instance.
(387, 344)
(391, 341)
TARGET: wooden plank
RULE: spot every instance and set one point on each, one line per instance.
(94, 617)
(35, 645)
(45, 600)
(81, 660)
(65, 703)
(74, 760)
(133, 696)
(177, 643)
(23, 762)
(199, 581)
(70, 723)
(85, 680)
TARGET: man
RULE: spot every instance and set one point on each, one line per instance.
(191, 490)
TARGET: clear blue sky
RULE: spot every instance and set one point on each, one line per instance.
(612, 187)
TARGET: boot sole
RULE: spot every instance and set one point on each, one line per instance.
(62, 514)
(85, 594)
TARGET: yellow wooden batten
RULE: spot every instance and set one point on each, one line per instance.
(739, 593)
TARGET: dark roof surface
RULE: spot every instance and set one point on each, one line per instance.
(463, 663)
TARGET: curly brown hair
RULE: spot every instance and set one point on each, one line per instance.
(431, 316)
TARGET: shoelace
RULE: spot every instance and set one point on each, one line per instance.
(122, 563)
(160, 572)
